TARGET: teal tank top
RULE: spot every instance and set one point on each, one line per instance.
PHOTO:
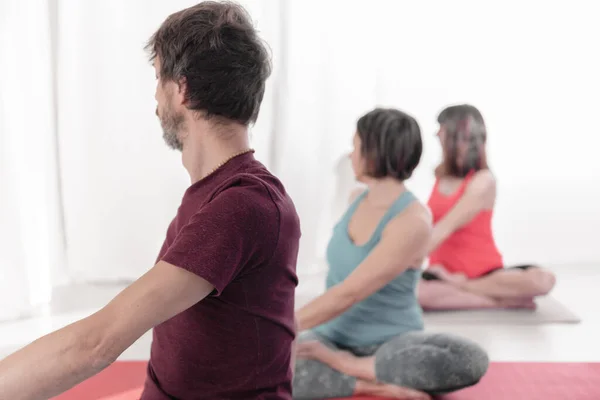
(391, 311)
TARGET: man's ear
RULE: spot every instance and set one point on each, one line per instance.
(182, 90)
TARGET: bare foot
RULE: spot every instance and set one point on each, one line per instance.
(398, 392)
(527, 303)
(340, 360)
(389, 391)
(316, 350)
(336, 359)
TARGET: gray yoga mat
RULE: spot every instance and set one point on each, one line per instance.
(549, 311)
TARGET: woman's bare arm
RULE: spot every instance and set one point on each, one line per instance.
(479, 195)
(404, 240)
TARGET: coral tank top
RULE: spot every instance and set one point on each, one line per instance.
(471, 249)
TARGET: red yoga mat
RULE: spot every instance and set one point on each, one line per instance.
(504, 381)
(117, 380)
(533, 381)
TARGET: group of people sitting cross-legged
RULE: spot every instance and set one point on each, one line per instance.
(364, 335)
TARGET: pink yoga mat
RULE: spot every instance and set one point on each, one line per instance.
(532, 381)
(504, 381)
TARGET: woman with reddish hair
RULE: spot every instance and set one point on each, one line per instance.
(466, 270)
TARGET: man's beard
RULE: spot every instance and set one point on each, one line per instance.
(171, 124)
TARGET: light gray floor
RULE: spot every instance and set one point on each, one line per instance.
(577, 289)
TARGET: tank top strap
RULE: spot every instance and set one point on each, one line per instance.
(403, 201)
(353, 206)
(436, 185)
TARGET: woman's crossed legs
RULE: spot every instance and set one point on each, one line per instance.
(502, 288)
(410, 366)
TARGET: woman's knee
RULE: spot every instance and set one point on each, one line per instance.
(472, 361)
(541, 280)
(431, 362)
(315, 380)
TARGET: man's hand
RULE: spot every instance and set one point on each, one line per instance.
(62, 359)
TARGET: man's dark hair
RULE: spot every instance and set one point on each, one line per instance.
(214, 48)
(391, 143)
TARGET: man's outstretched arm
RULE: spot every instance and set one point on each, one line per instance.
(62, 359)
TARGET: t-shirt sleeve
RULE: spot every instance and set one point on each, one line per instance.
(223, 237)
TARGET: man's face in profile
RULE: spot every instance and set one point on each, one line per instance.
(171, 120)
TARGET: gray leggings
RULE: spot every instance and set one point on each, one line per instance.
(435, 363)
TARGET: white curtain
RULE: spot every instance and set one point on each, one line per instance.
(329, 80)
(31, 258)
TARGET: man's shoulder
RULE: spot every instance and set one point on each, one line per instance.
(252, 192)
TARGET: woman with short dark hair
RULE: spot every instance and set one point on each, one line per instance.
(466, 270)
(364, 335)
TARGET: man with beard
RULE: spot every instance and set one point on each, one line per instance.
(221, 295)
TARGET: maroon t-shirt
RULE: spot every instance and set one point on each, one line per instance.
(239, 230)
